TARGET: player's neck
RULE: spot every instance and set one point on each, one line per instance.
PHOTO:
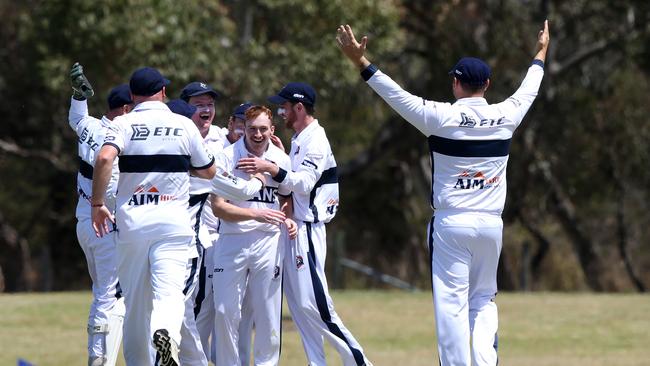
(299, 127)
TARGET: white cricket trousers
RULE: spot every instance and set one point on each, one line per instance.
(204, 311)
(152, 276)
(248, 264)
(191, 351)
(309, 301)
(102, 267)
(465, 249)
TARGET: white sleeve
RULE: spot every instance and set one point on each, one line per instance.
(516, 106)
(422, 114)
(115, 135)
(200, 157)
(230, 187)
(78, 117)
(308, 173)
(234, 188)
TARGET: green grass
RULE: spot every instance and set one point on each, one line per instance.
(395, 328)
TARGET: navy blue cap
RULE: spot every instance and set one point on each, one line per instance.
(119, 96)
(295, 92)
(240, 111)
(197, 88)
(147, 81)
(181, 107)
(471, 71)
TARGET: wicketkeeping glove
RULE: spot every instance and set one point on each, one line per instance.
(81, 88)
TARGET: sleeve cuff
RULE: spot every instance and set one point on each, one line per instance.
(206, 166)
(280, 176)
(368, 72)
(119, 151)
(538, 62)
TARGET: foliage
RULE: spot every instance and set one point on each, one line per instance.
(578, 178)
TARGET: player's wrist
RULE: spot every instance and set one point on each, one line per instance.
(76, 95)
(362, 63)
(279, 175)
(96, 204)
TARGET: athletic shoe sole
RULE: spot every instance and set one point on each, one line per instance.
(163, 344)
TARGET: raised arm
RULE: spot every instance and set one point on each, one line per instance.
(78, 117)
(516, 106)
(417, 111)
(543, 39)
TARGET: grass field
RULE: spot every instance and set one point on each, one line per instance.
(395, 328)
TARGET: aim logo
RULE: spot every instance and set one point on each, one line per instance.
(144, 195)
(469, 180)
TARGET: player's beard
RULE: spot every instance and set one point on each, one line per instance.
(290, 118)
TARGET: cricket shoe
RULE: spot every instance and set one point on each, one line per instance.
(166, 349)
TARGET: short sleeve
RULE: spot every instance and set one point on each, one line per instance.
(115, 135)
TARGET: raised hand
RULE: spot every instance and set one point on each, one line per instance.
(543, 39)
(352, 49)
(81, 88)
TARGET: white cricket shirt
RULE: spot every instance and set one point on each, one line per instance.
(157, 148)
(266, 198)
(313, 178)
(91, 132)
(469, 140)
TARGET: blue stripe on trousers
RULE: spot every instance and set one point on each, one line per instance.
(321, 301)
(190, 279)
(200, 295)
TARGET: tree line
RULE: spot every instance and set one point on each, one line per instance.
(576, 215)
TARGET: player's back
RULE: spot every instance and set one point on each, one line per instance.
(469, 140)
(157, 149)
(469, 149)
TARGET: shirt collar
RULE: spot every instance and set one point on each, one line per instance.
(471, 101)
(149, 105)
(105, 121)
(305, 132)
(241, 145)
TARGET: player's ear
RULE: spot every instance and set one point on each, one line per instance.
(272, 129)
(487, 85)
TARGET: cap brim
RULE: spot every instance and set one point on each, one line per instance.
(214, 94)
(240, 116)
(276, 99)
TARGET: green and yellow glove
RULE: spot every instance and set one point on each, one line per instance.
(81, 88)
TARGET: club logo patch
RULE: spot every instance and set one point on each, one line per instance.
(140, 132)
(299, 262)
(276, 272)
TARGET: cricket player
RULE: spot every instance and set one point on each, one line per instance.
(107, 309)
(469, 142)
(157, 150)
(314, 183)
(192, 351)
(202, 96)
(248, 253)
